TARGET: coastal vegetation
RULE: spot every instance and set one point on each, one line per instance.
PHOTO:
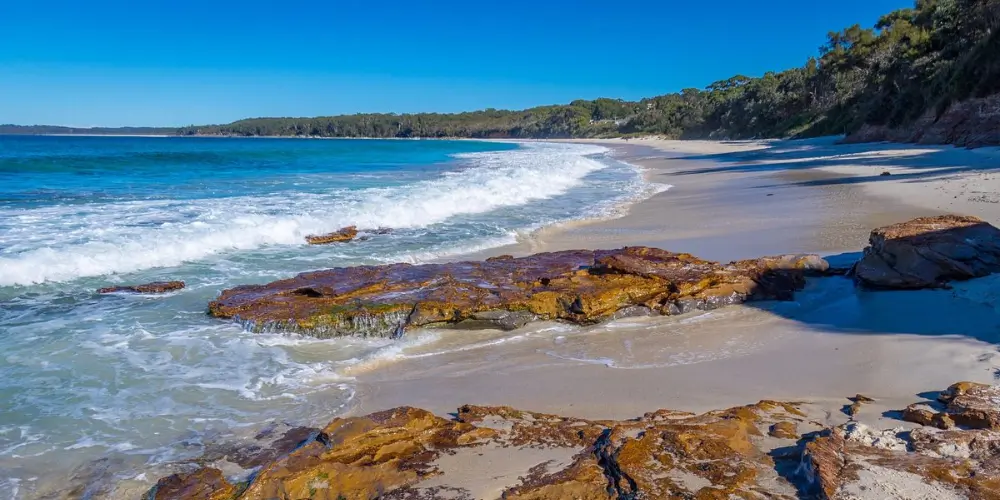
(913, 63)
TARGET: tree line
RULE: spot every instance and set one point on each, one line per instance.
(913, 61)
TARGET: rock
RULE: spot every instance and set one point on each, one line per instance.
(577, 286)
(921, 413)
(408, 453)
(976, 406)
(784, 430)
(154, 287)
(393, 454)
(341, 236)
(267, 446)
(856, 403)
(823, 464)
(928, 252)
(885, 173)
(965, 404)
(364, 457)
(969, 123)
(882, 439)
(202, 484)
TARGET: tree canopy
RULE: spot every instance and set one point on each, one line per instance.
(912, 62)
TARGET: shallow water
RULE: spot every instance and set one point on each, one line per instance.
(137, 381)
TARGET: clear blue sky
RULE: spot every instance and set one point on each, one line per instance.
(179, 62)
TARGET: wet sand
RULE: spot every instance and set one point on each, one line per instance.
(730, 201)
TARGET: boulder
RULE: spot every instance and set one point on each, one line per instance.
(966, 404)
(154, 287)
(342, 235)
(577, 286)
(928, 252)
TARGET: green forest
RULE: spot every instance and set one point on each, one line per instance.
(912, 62)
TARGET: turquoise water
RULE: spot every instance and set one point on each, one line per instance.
(132, 382)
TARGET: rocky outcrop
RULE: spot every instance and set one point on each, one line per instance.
(399, 454)
(578, 286)
(342, 235)
(970, 123)
(966, 404)
(766, 450)
(928, 252)
(202, 484)
(155, 287)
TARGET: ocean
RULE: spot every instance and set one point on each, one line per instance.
(104, 388)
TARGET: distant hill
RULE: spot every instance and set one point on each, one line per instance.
(938, 62)
(57, 130)
(908, 70)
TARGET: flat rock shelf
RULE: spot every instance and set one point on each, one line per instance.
(578, 286)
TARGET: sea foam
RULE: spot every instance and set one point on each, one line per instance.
(64, 242)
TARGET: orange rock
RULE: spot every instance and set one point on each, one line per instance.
(928, 252)
(825, 463)
(154, 287)
(920, 413)
(342, 235)
(967, 404)
(784, 430)
(202, 484)
(661, 455)
(856, 403)
(578, 286)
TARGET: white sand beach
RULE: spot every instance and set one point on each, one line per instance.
(733, 200)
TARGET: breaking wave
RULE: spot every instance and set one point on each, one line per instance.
(64, 242)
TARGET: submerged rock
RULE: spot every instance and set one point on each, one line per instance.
(154, 287)
(928, 252)
(342, 235)
(766, 450)
(578, 286)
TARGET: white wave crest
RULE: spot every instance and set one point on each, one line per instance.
(60, 243)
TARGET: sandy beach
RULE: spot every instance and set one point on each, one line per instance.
(725, 201)
(733, 200)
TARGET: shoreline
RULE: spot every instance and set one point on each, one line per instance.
(851, 172)
(729, 201)
(696, 214)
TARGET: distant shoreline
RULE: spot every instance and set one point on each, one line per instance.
(94, 135)
(295, 137)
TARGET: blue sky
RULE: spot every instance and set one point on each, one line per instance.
(180, 62)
